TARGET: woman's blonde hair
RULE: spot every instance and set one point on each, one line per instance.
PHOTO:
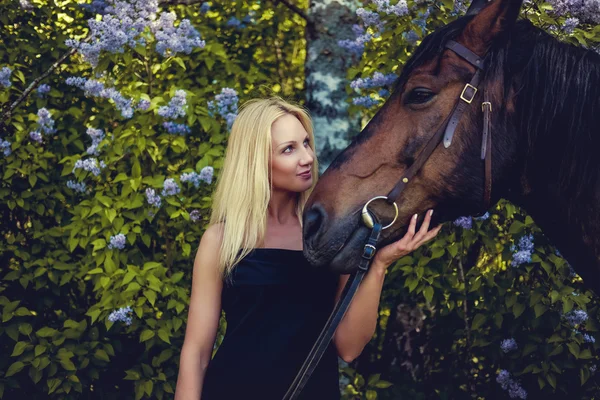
(243, 189)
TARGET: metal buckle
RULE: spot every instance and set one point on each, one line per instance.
(462, 95)
(369, 251)
(486, 103)
(368, 220)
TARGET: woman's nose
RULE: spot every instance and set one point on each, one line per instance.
(307, 157)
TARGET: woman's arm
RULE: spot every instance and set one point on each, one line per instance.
(203, 317)
(358, 325)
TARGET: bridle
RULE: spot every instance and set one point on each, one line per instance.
(448, 129)
(445, 133)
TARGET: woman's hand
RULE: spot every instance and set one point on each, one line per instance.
(410, 242)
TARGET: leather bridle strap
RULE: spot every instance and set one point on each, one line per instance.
(448, 127)
(335, 317)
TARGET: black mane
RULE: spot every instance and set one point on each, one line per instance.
(558, 107)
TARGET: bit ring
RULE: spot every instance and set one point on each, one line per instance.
(368, 220)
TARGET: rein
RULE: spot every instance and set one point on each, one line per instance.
(445, 133)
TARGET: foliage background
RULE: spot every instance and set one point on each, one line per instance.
(444, 310)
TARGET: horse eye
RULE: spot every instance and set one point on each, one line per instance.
(419, 96)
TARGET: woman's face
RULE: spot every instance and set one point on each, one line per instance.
(292, 155)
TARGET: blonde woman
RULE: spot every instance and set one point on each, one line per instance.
(250, 264)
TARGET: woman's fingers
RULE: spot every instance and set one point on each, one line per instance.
(411, 228)
(424, 226)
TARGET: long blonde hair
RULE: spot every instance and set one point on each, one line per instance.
(243, 189)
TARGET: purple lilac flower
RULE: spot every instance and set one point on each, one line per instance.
(170, 187)
(176, 107)
(45, 121)
(91, 165)
(178, 129)
(76, 186)
(36, 136)
(123, 24)
(508, 345)
(365, 101)
(587, 338)
(411, 37)
(464, 222)
(233, 22)
(204, 8)
(383, 93)
(526, 243)
(378, 80)
(399, 9)
(96, 7)
(521, 257)
(515, 391)
(97, 135)
(43, 90)
(5, 147)
(369, 18)
(206, 174)
(117, 242)
(593, 368)
(570, 25)
(5, 73)
(152, 198)
(576, 317)
(357, 45)
(226, 105)
(587, 11)
(122, 315)
(523, 251)
(94, 88)
(171, 40)
(143, 104)
(195, 215)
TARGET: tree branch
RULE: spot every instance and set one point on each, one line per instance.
(294, 8)
(6, 115)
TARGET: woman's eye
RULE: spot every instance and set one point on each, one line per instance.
(419, 96)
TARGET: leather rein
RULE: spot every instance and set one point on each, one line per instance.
(445, 133)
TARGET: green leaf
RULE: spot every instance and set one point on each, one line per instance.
(146, 335)
(478, 321)
(46, 332)
(39, 349)
(518, 309)
(101, 355)
(164, 335)
(14, 368)
(19, 349)
(68, 364)
(428, 293)
(151, 296)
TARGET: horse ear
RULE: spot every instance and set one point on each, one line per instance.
(493, 18)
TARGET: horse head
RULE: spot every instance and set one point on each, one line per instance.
(451, 178)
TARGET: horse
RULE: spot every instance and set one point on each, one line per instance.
(537, 98)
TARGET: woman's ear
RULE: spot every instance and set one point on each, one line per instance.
(494, 17)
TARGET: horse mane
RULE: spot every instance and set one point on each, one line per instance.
(558, 105)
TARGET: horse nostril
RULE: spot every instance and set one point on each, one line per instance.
(313, 221)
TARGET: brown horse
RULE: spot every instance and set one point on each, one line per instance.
(544, 98)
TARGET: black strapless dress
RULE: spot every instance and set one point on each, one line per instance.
(275, 304)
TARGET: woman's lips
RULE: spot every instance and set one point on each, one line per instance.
(305, 175)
